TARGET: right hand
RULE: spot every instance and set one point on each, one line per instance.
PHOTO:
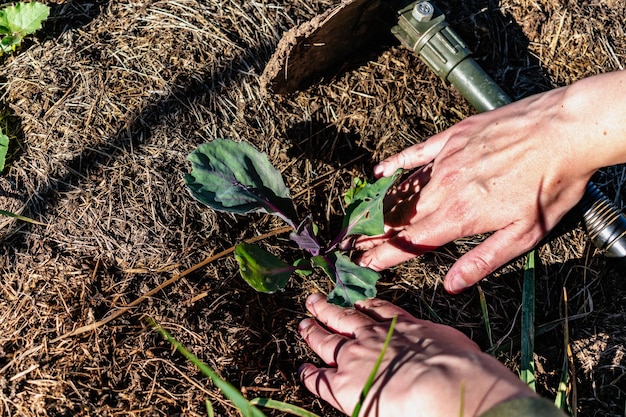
(515, 171)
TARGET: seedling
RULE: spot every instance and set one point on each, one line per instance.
(16, 22)
(235, 177)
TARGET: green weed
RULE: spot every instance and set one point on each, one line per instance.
(16, 22)
(528, 323)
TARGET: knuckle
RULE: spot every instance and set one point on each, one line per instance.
(531, 239)
(458, 211)
(407, 241)
(372, 303)
(482, 265)
(347, 314)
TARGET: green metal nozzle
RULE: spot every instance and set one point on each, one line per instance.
(422, 28)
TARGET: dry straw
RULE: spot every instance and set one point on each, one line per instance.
(114, 95)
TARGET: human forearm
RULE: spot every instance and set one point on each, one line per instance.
(595, 109)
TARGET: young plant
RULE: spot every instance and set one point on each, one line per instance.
(16, 22)
(235, 177)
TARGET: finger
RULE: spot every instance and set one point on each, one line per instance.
(324, 343)
(420, 237)
(383, 310)
(320, 381)
(409, 187)
(498, 249)
(411, 157)
(363, 243)
(344, 321)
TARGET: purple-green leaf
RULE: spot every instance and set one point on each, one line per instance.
(364, 216)
(304, 236)
(235, 177)
(352, 282)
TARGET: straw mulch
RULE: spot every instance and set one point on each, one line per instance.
(108, 101)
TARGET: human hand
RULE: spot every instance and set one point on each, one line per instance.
(428, 369)
(515, 171)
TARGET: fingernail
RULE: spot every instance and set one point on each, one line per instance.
(457, 284)
(347, 243)
(305, 324)
(314, 298)
(378, 170)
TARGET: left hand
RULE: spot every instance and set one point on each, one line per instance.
(428, 369)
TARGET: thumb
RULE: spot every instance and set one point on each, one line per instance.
(498, 249)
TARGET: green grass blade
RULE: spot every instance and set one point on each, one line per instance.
(561, 394)
(282, 406)
(4, 148)
(233, 394)
(528, 322)
(18, 217)
(432, 314)
(209, 409)
(485, 312)
(512, 342)
(370, 380)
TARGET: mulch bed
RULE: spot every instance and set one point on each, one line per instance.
(110, 98)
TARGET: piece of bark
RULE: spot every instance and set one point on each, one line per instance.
(328, 42)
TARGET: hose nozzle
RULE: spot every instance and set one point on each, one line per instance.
(606, 226)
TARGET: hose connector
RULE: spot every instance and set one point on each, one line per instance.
(605, 224)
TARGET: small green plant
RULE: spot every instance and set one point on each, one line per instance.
(235, 177)
(20, 20)
(16, 22)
